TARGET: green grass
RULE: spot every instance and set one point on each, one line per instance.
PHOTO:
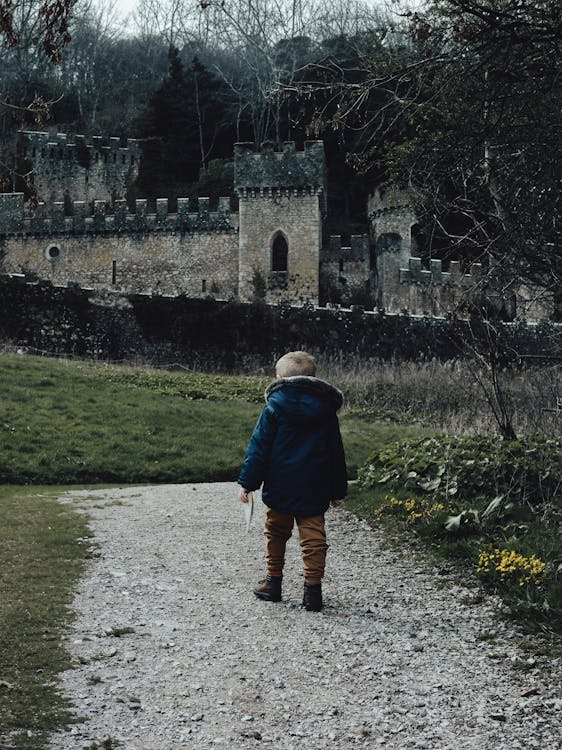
(67, 422)
(41, 559)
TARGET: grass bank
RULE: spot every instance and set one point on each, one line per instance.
(42, 553)
(64, 422)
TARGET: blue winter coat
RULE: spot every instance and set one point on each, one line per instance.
(296, 449)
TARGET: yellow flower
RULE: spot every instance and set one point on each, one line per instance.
(510, 565)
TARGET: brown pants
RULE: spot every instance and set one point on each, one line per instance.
(312, 533)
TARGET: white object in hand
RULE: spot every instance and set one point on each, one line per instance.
(249, 510)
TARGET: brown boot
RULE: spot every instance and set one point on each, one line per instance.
(312, 599)
(269, 589)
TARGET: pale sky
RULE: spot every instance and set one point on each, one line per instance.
(124, 7)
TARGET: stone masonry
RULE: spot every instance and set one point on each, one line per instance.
(82, 233)
(280, 200)
(404, 285)
(189, 253)
(80, 169)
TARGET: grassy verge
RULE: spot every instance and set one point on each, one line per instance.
(41, 558)
(65, 422)
(72, 422)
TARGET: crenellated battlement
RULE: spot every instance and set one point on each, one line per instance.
(455, 276)
(13, 219)
(381, 203)
(66, 168)
(356, 251)
(272, 193)
(268, 170)
(78, 149)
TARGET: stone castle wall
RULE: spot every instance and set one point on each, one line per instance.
(433, 291)
(349, 264)
(405, 285)
(391, 220)
(263, 217)
(272, 249)
(195, 254)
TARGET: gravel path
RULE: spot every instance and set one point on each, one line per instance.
(174, 652)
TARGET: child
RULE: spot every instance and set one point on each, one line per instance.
(296, 451)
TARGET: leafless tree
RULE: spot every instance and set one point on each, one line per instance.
(272, 40)
(175, 22)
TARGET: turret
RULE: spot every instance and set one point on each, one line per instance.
(391, 219)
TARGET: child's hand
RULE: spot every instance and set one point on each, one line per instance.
(336, 503)
(244, 495)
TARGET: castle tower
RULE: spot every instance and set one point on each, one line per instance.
(280, 221)
(79, 169)
(391, 220)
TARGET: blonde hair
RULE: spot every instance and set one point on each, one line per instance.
(295, 363)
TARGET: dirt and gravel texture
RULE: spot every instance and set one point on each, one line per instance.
(173, 651)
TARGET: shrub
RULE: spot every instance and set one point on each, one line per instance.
(519, 471)
(492, 504)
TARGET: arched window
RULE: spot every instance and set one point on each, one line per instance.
(279, 254)
(416, 241)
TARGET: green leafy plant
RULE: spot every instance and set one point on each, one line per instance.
(524, 471)
(493, 506)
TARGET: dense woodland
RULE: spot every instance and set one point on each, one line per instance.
(456, 100)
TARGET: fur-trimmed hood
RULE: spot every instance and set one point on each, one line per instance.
(304, 398)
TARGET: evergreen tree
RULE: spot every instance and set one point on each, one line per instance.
(187, 123)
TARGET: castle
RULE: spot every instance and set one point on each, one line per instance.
(273, 247)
